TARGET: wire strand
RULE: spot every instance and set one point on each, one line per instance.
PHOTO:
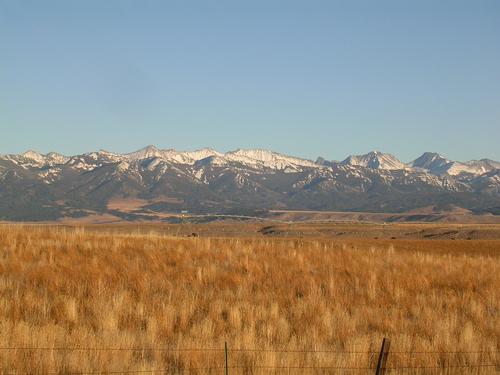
(237, 350)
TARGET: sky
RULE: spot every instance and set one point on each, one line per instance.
(306, 78)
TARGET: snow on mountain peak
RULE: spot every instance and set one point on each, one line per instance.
(471, 167)
(432, 162)
(266, 158)
(484, 165)
(439, 165)
(253, 157)
(54, 158)
(202, 154)
(33, 155)
(174, 156)
(428, 163)
(255, 153)
(375, 160)
(144, 153)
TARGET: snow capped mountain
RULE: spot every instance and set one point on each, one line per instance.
(488, 182)
(146, 153)
(35, 156)
(210, 181)
(439, 165)
(483, 165)
(457, 168)
(103, 154)
(268, 159)
(375, 160)
(53, 158)
(201, 154)
(213, 160)
(168, 155)
(256, 158)
(431, 162)
(35, 159)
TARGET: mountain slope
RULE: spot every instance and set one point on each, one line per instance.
(438, 165)
(375, 160)
(34, 186)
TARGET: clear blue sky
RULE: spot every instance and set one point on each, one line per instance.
(303, 77)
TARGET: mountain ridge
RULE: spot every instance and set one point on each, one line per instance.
(373, 159)
(35, 186)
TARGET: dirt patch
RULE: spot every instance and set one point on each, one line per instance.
(127, 204)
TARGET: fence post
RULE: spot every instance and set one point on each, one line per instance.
(382, 358)
(225, 351)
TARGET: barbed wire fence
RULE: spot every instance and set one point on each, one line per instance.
(383, 362)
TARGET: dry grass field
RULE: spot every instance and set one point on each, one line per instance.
(75, 300)
(312, 230)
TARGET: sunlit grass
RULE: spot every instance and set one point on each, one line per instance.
(63, 287)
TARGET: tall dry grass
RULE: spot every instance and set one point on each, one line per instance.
(65, 288)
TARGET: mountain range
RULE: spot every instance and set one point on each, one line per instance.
(152, 182)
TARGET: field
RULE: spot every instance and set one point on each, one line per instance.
(287, 299)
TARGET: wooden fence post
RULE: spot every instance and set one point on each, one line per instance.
(382, 358)
(225, 351)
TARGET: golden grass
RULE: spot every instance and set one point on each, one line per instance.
(68, 288)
